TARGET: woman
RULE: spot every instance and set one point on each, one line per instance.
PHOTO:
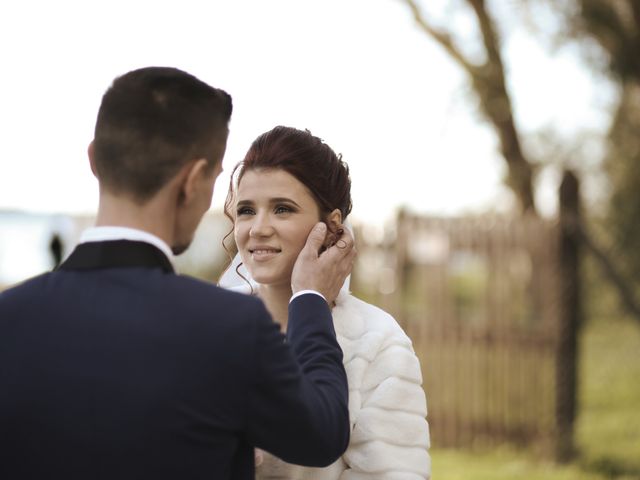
(288, 181)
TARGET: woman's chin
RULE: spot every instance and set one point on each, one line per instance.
(271, 280)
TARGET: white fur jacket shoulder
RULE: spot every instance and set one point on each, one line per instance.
(387, 405)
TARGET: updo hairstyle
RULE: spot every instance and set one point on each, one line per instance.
(304, 156)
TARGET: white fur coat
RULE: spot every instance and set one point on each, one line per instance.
(387, 405)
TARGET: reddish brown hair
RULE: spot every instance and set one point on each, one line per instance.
(304, 156)
(307, 158)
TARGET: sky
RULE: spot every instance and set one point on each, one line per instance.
(357, 73)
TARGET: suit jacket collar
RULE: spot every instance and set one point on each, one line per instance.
(116, 254)
(105, 233)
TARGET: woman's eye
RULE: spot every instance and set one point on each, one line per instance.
(244, 211)
(283, 209)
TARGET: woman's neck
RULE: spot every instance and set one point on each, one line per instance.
(276, 298)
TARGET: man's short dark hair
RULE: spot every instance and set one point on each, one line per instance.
(151, 122)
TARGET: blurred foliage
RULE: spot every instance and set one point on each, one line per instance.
(600, 297)
(623, 168)
(615, 27)
(612, 25)
(469, 291)
(609, 33)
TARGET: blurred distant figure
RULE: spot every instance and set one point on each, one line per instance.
(56, 248)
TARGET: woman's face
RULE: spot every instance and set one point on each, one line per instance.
(274, 215)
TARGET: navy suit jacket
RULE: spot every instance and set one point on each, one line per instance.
(114, 367)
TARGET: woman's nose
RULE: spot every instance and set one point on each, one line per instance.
(261, 227)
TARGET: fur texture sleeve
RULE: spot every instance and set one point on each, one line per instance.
(390, 436)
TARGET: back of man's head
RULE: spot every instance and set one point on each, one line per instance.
(151, 122)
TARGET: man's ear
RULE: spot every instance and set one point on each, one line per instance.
(193, 175)
(90, 153)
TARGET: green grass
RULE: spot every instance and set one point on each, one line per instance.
(608, 427)
(608, 430)
(503, 464)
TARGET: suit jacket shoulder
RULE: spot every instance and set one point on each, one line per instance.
(171, 376)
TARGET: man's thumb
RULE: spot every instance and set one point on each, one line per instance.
(316, 237)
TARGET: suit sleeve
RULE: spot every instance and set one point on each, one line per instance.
(390, 439)
(297, 405)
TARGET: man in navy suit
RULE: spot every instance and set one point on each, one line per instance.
(114, 367)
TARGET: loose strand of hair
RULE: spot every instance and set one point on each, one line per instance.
(227, 212)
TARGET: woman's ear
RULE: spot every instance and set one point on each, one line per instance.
(334, 223)
(334, 220)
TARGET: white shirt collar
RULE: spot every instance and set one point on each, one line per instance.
(101, 234)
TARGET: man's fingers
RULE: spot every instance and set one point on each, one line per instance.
(347, 238)
(324, 272)
(316, 237)
(343, 247)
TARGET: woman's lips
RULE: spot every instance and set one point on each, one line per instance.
(263, 254)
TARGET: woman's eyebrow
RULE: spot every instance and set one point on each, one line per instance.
(243, 203)
(283, 200)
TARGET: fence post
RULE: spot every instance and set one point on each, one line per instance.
(570, 316)
(401, 267)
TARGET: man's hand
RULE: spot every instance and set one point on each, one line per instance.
(326, 272)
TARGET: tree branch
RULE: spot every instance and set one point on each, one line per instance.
(496, 102)
(488, 81)
(443, 38)
(611, 272)
(489, 37)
